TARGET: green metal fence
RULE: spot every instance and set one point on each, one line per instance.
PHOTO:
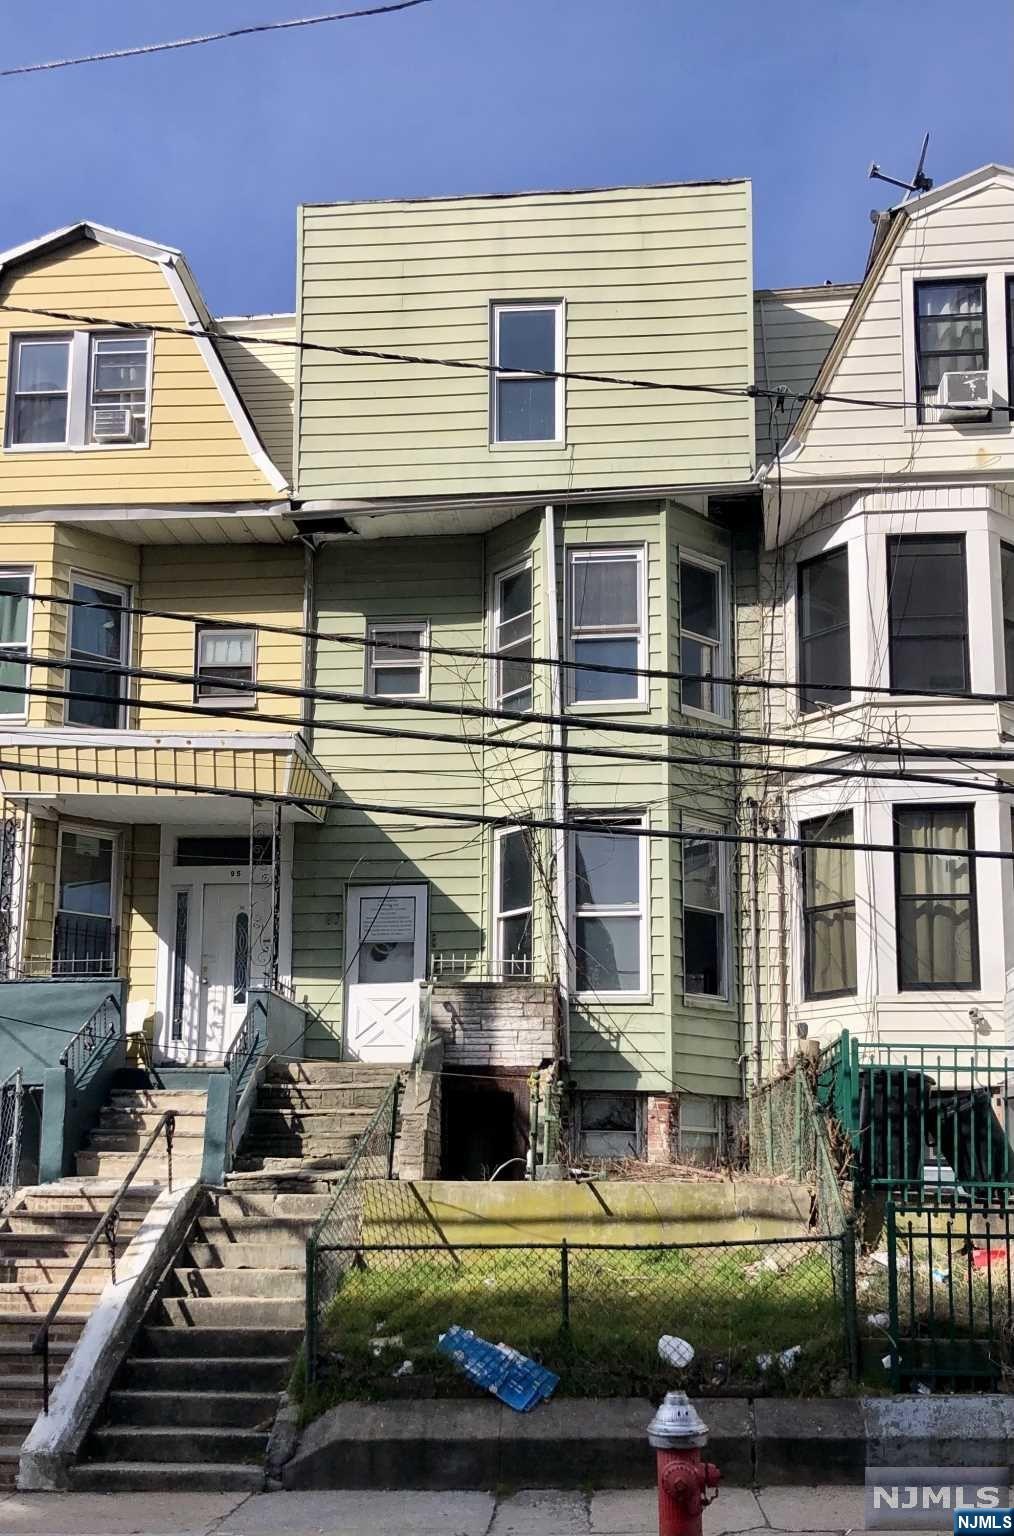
(767, 1316)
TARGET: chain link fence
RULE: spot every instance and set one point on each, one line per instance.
(761, 1316)
(791, 1135)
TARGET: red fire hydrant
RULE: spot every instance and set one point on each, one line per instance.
(678, 1435)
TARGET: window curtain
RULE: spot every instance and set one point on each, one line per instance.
(936, 908)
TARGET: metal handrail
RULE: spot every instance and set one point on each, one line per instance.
(106, 1228)
(91, 1034)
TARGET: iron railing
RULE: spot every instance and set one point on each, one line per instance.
(12, 1091)
(248, 1041)
(84, 946)
(104, 1229)
(761, 1316)
(346, 1219)
(92, 1039)
(473, 965)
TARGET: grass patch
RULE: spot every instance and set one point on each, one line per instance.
(731, 1303)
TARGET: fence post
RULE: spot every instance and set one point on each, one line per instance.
(849, 1298)
(395, 1096)
(797, 1138)
(892, 1295)
(311, 1311)
(565, 1285)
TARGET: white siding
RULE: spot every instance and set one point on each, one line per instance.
(793, 330)
(264, 375)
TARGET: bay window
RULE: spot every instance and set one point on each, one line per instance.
(512, 639)
(928, 612)
(609, 905)
(829, 907)
(607, 624)
(14, 628)
(1007, 604)
(936, 916)
(823, 630)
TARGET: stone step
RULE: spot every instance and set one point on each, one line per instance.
(278, 1166)
(336, 1143)
(270, 1201)
(88, 1197)
(160, 1100)
(19, 1329)
(37, 1299)
(104, 1165)
(50, 1250)
(194, 1409)
(25, 1391)
(153, 1444)
(241, 1256)
(161, 1341)
(230, 1312)
(294, 1120)
(17, 1361)
(314, 1098)
(250, 1284)
(186, 1374)
(73, 1226)
(144, 1121)
(189, 1138)
(164, 1477)
(323, 1071)
(253, 1229)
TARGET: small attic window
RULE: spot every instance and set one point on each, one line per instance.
(82, 390)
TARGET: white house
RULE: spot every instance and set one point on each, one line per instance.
(888, 564)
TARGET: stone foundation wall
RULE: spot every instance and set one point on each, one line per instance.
(495, 1024)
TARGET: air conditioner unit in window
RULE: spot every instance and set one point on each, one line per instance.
(958, 392)
(112, 424)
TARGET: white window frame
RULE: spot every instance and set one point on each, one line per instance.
(500, 915)
(100, 583)
(10, 652)
(590, 552)
(721, 693)
(707, 831)
(994, 275)
(419, 627)
(498, 698)
(235, 699)
(101, 834)
(79, 393)
(16, 343)
(603, 821)
(500, 307)
(94, 339)
(685, 1153)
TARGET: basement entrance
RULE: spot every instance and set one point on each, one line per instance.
(484, 1124)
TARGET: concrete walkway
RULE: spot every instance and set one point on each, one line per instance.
(834, 1510)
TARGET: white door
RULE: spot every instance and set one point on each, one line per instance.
(386, 934)
(225, 967)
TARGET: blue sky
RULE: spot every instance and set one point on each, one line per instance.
(210, 149)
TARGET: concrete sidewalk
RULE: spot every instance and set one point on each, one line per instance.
(534, 1512)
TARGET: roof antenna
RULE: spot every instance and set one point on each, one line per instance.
(920, 181)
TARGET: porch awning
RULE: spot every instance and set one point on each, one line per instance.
(135, 776)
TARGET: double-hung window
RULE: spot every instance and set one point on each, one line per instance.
(937, 925)
(607, 624)
(396, 664)
(513, 876)
(512, 639)
(705, 907)
(950, 336)
(1007, 601)
(225, 658)
(99, 638)
(84, 932)
(15, 622)
(928, 608)
(610, 1125)
(829, 907)
(702, 636)
(610, 907)
(1009, 296)
(526, 344)
(83, 390)
(823, 630)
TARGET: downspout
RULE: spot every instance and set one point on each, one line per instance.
(777, 827)
(756, 1051)
(559, 781)
(309, 622)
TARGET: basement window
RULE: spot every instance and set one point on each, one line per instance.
(610, 1125)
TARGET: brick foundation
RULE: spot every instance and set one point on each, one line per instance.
(661, 1126)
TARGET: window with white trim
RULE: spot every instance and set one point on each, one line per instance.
(699, 1130)
(527, 340)
(610, 907)
(513, 884)
(610, 1125)
(705, 916)
(512, 638)
(606, 609)
(15, 623)
(225, 657)
(703, 631)
(396, 666)
(99, 646)
(87, 389)
(84, 927)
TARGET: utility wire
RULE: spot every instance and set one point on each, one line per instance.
(421, 648)
(611, 824)
(425, 360)
(211, 37)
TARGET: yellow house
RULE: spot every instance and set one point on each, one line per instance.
(144, 527)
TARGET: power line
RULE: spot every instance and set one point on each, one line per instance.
(508, 744)
(613, 824)
(211, 37)
(425, 360)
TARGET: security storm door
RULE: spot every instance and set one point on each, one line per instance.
(225, 967)
(386, 933)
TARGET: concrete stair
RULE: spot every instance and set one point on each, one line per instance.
(193, 1404)
(310, 1114)
(126, 1122)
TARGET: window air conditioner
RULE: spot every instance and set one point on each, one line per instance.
(112, 424)
(960, 391)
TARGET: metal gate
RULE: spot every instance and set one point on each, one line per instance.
(12, 1093)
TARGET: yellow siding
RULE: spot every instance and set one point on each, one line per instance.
(195, 453)
(657, 281)
(264, 376)
(40, 898)
(138, 946)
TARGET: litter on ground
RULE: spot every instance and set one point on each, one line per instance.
(982, 1258)
(675, 1351)
(508, 1374)
(879, 1320)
